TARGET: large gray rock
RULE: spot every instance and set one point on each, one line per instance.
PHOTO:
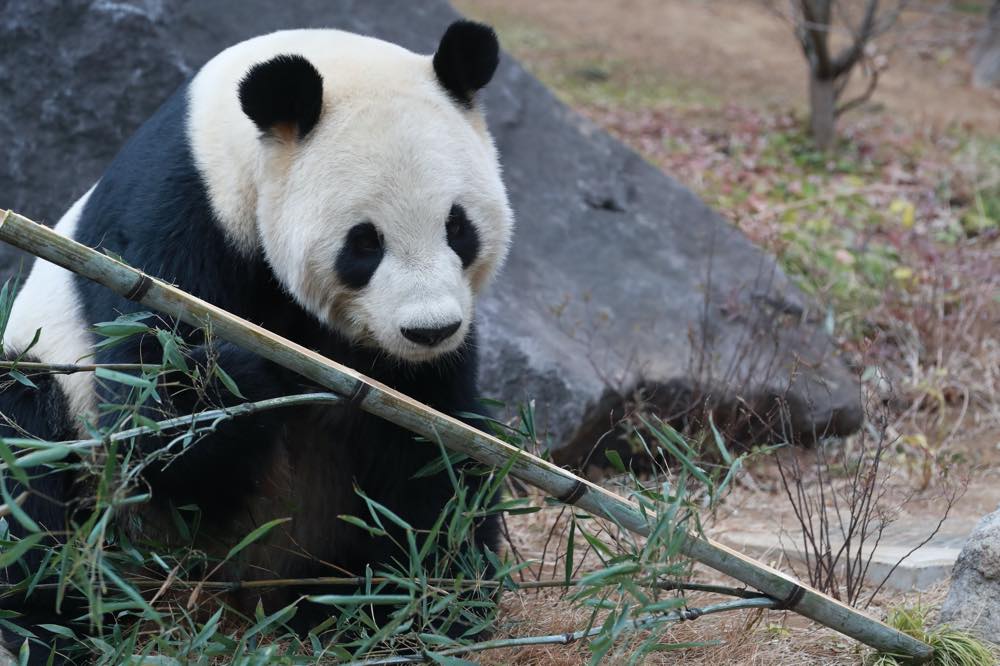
(973, 602)
(616, 269)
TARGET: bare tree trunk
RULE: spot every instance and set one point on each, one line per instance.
(986, 59)
(822, 111)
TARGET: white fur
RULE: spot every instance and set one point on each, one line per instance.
(390, 148)
(48, 300)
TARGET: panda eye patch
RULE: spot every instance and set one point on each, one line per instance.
(360, 255)
(365, 238)
(462, 236)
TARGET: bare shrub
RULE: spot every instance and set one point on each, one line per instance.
(845, 496)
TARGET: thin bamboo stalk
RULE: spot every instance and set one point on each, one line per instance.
(212, 417)
(31, 367)
(385, 402)
(676, 585)
(638, 624)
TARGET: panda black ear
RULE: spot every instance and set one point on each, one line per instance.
(466, 59)
(283, 96)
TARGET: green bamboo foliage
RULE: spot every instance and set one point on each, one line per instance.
(639, 516)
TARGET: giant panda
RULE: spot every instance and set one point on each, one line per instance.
(337, 189)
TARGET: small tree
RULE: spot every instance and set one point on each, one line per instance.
(817, 23)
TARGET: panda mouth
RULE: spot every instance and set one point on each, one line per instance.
(406, 352)
(415, 353)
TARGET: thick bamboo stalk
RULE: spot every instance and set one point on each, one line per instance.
(387, 403)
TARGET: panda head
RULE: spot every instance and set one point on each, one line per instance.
(377, 191)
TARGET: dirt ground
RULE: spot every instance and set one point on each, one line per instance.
(691, 60)
(711, 51)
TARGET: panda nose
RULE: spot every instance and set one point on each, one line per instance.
(428, 337)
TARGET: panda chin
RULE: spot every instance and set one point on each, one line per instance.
(411, 354)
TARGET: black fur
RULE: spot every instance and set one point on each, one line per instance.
(462, 236)
(466, 59)
(285, 90)
(43, 412)
(151, 208)
(360, 255)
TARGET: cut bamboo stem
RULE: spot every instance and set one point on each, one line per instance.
(385, 402)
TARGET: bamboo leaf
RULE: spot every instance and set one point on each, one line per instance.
(129, 591)
(228, 382)
(615, 459)
(357, 522)
(21, 378)
(58, 630)
(207, 631)
(124, 378)
(8, 458)
(278, 618)
(7, 296)
(172, 355)
(360, 599)
(719, 442)
(255, 535)
(15, 509)
(120, 329)
(598, 577)
(9, 555)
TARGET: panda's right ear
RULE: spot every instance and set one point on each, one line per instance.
(283, 96)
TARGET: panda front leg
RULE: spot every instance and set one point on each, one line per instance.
(232, 451)
(42, 411)
(468, 561)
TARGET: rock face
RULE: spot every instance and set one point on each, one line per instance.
(973, 601)
(619, 277)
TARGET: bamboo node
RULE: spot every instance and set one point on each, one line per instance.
(140, 288)
(578, 490)
(792, 599)
(360, 393)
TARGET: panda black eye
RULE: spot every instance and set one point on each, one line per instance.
(455, 225)
(462, 237)
(365, 239)
(360, 255)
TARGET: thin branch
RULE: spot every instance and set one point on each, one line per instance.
(72, 368)
(850, 56)
(668, 585)
(640, 623)
(215, 416)
(931, 535)
(863, 97)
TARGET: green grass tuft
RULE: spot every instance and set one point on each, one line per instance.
(952, 647)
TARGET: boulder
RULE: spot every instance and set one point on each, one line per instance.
(973, 602)
(619, 278)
